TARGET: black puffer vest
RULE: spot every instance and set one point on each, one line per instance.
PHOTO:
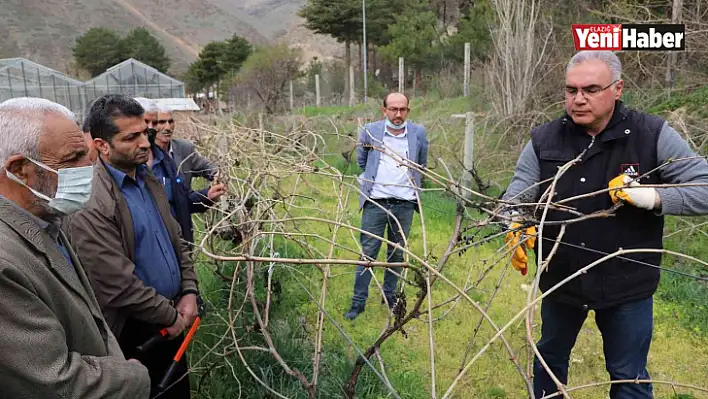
(627, 145)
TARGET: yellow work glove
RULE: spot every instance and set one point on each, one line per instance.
(519, 259)
(641, 197)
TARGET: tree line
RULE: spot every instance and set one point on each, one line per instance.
(427, 33)
(100, 48)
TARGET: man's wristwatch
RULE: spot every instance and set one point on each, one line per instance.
(189, 291)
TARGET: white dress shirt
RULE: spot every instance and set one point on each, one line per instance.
(393, 179)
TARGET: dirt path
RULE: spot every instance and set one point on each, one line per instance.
(190, 48)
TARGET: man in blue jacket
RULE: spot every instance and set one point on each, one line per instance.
(390, 191)
(183, 200)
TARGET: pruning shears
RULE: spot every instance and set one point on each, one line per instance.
(169, 374)
(162, 335)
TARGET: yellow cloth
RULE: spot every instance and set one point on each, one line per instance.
(519, 259)
(620, 194)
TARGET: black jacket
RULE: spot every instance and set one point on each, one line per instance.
(184, 201)
(628, 143)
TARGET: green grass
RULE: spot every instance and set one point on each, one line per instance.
(679, 350)
(694, 102)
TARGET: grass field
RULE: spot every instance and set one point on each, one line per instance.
(679, 350)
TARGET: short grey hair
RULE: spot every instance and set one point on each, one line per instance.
(608, 57)
(22, 123)
(148, 105)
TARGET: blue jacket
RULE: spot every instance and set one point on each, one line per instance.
(185, 202)
(368, 157)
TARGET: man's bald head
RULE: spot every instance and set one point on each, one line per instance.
(394, 96)
(395, 109)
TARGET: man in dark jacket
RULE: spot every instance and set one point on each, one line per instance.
(183, 200)
(617, 148)
(189, 162)
(135, 257)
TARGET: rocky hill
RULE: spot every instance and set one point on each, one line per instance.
(278, 20)
(45, 31)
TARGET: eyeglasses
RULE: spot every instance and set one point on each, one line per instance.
(588, 91)
(396, 110)
(163, 121)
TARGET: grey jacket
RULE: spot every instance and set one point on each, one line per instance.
(190, 162)
(689, 201)
(55, 342)
(368, 156)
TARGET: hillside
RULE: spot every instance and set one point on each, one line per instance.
(45, 31)
(278, 20)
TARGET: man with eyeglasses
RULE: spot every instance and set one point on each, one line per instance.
(390, 191)
(620, 152)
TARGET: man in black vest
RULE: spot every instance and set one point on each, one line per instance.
(617, 148)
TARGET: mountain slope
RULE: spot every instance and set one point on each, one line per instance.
(45, 31)
(278, 20)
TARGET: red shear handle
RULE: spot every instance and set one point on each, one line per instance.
(183, 348)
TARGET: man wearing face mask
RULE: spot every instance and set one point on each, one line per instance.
(390, 192)
(136, 258)
(54, 340)
(183, 200)
(150, 114)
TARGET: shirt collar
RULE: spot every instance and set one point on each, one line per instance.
(618, 115)
(120, 177)
(405, 132)
(158, 154)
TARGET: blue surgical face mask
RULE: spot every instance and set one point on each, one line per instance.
(394, 126)
(73, 188)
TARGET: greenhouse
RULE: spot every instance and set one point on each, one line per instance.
(135, 79)
(23, 78)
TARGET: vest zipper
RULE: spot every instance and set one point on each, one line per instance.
(582, 155)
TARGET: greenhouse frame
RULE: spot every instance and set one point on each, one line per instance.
(136, 79)
(20, 77)
(23, 78)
